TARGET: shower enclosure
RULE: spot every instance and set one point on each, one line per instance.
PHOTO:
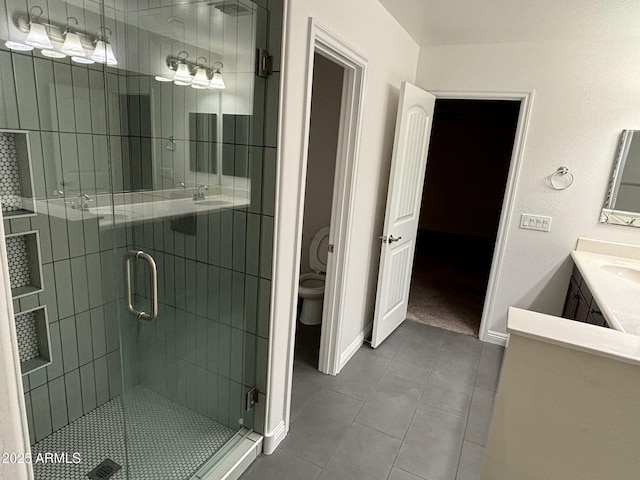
(137, 178)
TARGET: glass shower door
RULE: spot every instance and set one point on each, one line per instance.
(148, 212)
(185, 245)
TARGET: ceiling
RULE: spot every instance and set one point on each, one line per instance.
(451, 22)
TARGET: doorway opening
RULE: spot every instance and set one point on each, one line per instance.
(324, 133)
(472, 146)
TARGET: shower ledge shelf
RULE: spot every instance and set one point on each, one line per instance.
(139, 207)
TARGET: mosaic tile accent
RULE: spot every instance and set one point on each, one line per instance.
(166, 441)
(18, 257)
(27, 331)
(10, 189)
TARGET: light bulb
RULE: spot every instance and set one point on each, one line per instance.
(52, 54)
(72, 45)
(217, 81)
(38, 36)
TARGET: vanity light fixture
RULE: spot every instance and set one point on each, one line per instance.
(55, 41)
(38, 36)
(201, 78)
(217, 82)
(193, 73)
(72, 45)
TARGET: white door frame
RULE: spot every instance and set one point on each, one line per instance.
(325, 43)
(508, 203)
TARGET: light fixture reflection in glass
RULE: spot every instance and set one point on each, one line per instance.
(182, 74)
(17, 46)
(72, 45)
(200, 79)
(217, 81)
(181, 83)
(111, 58)
(84, 60)
(38, 36)
(103, 53)
(52, 54)
(163, 79)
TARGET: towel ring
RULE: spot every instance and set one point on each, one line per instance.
(561, 172)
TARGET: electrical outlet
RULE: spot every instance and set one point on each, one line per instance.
(535, 222)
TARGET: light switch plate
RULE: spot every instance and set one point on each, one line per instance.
(535, 222)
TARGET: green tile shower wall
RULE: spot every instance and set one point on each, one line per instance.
(208, 373)
(84, 334)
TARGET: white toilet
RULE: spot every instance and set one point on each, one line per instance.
(311, 290)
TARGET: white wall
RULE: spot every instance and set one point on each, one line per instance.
(323, 144)
(392, 56)
(586, 93)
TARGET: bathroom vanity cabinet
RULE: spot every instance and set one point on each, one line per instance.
(580, 304)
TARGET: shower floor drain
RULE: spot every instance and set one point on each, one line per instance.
(107, 469)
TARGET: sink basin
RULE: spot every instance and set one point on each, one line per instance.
(214, 203)
(623, 272)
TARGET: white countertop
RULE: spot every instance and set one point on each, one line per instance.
(617, 297)
(580, 336)
(124, 208)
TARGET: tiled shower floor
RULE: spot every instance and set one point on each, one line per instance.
(166, 441)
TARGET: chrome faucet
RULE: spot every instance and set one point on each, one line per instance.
(199, 193)
(83, 202)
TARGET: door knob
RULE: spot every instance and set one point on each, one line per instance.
(388, 240)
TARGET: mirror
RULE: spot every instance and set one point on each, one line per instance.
(622, 204)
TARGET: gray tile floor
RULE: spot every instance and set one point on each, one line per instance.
(417, 407)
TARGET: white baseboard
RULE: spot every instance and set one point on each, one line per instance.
(272, 441)
(497, 338)
(351, 350)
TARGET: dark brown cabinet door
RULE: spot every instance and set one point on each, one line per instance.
(571, 302)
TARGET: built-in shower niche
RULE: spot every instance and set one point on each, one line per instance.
(34, 344)
(16, 181)
(25, 270)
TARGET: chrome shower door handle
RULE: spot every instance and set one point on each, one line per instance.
(129, 257)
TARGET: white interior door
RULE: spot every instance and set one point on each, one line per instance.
(408, 165)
